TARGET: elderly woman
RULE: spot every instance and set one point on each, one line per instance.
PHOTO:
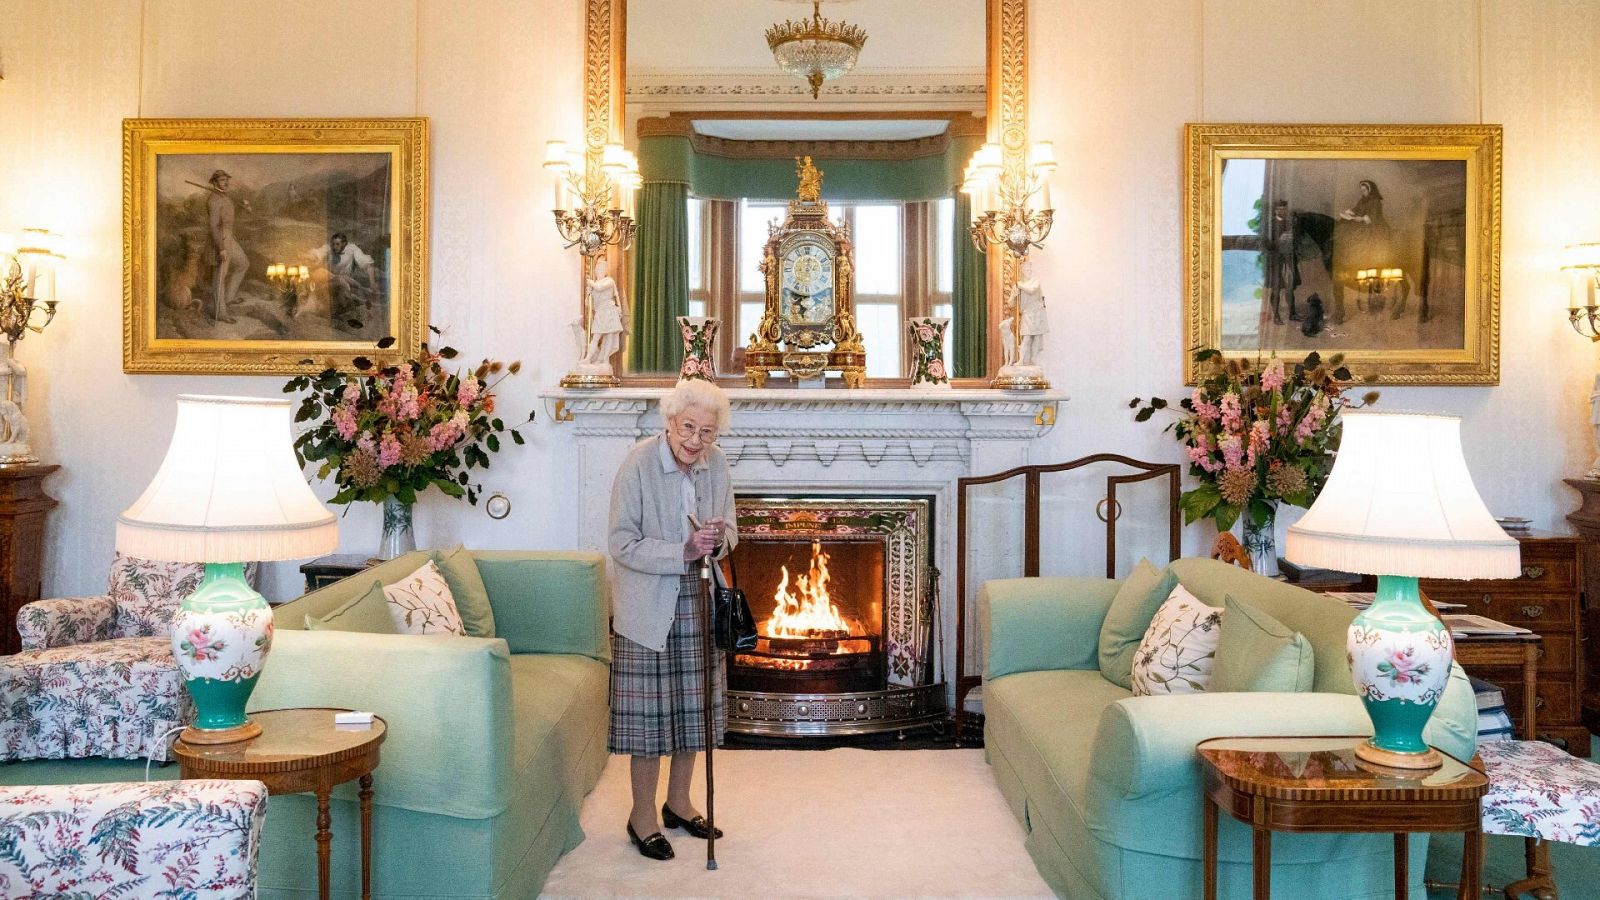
(658, 630)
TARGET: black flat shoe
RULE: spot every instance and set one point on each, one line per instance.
(695, 826)
(655, 846)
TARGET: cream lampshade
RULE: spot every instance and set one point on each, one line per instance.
(1400, 504)
(228, 491)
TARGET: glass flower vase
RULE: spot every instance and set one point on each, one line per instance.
(1261, 542)
(397, 537)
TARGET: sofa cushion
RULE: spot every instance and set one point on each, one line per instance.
(421, 603)
(1258, 653)
(1324, 621)
(1179, 648)
(1134, 605)
(368, 614)
(460, 571)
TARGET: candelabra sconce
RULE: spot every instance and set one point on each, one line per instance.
(1581, 263)
(1011, 209)
(594, 209)
(288, 280)
(27, 303)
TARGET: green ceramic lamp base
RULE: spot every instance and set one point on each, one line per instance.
(220, 635)
(1400, 657)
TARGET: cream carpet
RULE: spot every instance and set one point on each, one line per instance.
(817, 823)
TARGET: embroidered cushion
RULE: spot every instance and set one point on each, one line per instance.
(421, 603)
(1135, 603)
(1179, 648)
(460, 571)
(1256, 652)
(368, 613)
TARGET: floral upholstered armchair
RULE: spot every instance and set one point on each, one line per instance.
(96, 675)
(195, 839)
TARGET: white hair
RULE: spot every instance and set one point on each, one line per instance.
(701, 395)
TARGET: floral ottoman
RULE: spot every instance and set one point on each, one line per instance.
(191, 839)
(116, 698)
(1542, 793)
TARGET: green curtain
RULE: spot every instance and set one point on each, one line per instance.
(968, 298)
(660, 277)
(673, 158)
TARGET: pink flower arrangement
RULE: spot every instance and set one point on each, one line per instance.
(1257, 434)
(396, 431)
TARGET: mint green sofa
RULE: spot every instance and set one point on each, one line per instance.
(492, 743)
(1107, 784)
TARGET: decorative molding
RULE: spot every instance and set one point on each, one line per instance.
(727, 148)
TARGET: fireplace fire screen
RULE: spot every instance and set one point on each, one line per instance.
(844, 597)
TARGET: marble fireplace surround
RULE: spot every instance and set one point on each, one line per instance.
(835, 442)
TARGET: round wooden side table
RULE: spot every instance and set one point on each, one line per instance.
(300, 751)
(1316, 784)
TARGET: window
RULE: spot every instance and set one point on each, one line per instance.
(699, 256)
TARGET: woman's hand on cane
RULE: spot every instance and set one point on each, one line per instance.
(704, 541)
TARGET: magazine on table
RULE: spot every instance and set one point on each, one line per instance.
(1467, 625)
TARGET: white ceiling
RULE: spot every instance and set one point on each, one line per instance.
(821, 129)
(721, 35)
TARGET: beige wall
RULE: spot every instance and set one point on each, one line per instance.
(1113, 84)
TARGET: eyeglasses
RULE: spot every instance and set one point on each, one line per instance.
(686, 431)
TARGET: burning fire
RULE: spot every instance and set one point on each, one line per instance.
(808, 612)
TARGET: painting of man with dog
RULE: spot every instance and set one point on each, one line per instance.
(222, 219)
(284, 252)
(1377, 242)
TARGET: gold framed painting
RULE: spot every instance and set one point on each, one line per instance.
(272, 246)
(1381, 242)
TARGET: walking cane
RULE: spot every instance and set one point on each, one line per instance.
(711, 699)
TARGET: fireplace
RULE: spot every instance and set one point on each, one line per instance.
(845, 601)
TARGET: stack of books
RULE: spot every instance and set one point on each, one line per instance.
(1494, 723)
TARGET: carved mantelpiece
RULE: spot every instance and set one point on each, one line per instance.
(812, 442)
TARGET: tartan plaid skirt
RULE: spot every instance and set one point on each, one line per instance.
(658, 699)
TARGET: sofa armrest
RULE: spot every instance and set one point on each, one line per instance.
(1030, 624)
(446, 702)
(1146, 745)
(549, 601)
(63, 621)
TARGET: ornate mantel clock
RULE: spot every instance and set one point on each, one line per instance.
(809, 325)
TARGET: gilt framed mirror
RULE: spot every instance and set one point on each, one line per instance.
(716, 123)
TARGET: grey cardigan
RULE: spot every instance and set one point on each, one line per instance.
(646, 538)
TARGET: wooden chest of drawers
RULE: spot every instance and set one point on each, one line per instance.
(1548, 599)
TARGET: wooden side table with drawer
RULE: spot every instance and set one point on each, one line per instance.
(1547, 598)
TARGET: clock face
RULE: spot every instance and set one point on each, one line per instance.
(806, 283)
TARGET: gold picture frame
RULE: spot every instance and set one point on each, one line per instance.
(341, 205)
(1381, 242)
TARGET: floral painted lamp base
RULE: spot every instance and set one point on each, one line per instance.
(221, 635)
(1400, 658)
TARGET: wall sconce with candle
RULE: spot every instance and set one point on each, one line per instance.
(594, 211)
(1012, 209)
(27, 290)
(288, 280)
(1581, 264)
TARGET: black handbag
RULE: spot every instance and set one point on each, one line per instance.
(733, 628)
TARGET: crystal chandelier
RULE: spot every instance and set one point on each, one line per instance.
(817, 50)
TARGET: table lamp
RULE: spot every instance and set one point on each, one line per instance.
(228, 491)
(1400, 504)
